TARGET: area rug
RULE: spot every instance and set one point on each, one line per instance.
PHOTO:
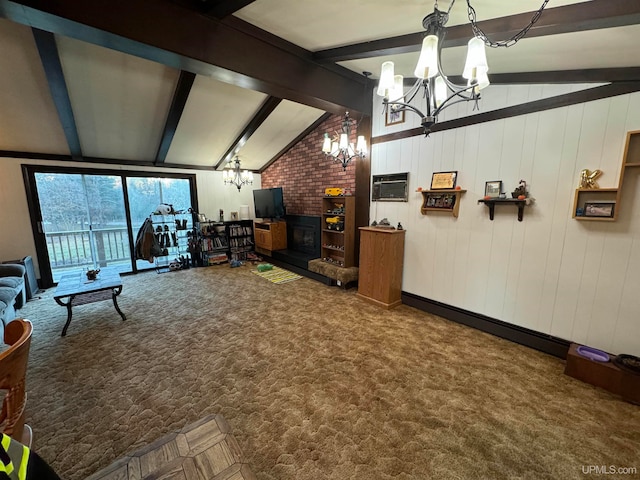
(277, 275)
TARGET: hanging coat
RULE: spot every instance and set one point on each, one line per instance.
(147, 247)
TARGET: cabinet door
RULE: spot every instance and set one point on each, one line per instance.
(261, 237)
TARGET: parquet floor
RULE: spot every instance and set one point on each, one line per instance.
(204, 450)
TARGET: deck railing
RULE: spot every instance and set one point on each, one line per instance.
(73, 248)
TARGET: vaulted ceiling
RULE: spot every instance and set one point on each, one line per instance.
(189, 83)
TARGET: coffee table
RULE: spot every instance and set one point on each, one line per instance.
(77, 290)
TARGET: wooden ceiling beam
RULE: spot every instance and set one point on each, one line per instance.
(224, 8)
(592, 75)
(180, 97)
(268, 106)
(592, 15)
(48, 50)
(169, 33)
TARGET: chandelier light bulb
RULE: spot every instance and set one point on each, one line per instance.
(326, 144)
(344, 141)
(386, 79)
(476, 63)
(440, 90)
(361, 145)
(397, 92)
(427, 66)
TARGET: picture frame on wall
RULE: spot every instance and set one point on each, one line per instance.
(443, 180)
(393, 117)
(493, 188)
(599, 209)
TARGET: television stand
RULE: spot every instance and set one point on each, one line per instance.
(270, 236)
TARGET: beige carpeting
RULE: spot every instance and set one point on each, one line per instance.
(315, 383)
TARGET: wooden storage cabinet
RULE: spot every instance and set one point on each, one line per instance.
(338, 239)
(270, 236)
(381, 261)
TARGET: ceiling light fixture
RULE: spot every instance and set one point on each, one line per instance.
(439, 92)
(340, 148)
(233, 175)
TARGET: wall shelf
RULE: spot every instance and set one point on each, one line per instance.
(630, 159)
(441, 201)
(491, 203)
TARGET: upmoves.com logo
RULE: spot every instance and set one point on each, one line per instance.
(608, 470)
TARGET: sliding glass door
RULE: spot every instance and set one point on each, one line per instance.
(83, 221)
(145, 193)
(90, 218)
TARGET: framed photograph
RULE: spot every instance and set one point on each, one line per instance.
(493, 189)
(443, 180)
(234, 215)
(599, 209)
(393, 117)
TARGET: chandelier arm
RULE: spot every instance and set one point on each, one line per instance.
(459, 100)
(405, 106)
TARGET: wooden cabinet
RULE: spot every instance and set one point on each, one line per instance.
(381, 260)
(604, 199)
(338, 230)
(270, 236)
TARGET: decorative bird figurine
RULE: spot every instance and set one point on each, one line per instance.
(588, 178)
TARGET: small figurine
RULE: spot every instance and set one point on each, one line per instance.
(588, 178)
(374, 223)
(92, 274)
(400, 226)
(520, 191)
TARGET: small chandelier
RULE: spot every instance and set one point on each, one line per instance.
(439, 92)
(235, 176)
(340, 148)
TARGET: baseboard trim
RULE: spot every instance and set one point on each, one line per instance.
(555, 346)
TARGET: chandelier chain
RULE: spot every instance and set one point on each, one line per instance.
(478, 32)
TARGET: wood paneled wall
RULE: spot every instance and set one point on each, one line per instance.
(574, 280)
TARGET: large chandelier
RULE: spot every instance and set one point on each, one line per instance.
(235, 176)
(439, 91)
(340, 148)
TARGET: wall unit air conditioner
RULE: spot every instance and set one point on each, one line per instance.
(393, 187)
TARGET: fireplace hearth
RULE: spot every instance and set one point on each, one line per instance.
(303, 240)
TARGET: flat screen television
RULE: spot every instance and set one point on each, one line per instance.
(269, 203)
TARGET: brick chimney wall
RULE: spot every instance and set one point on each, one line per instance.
(304, 172)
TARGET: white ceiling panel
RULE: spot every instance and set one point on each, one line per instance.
(214, 116)
(286, 122)
(320, 24)
(120, 102)
(28, 118)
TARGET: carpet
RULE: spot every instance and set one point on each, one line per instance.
(278, 275)
(315, 384)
